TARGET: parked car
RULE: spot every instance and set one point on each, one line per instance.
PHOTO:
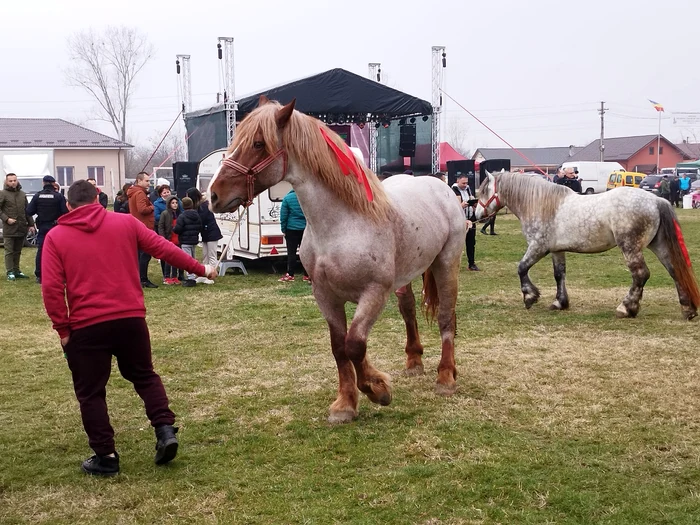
(651, 183)
(624, 178)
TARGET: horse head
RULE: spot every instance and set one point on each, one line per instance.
(256, 159)
(489, 199)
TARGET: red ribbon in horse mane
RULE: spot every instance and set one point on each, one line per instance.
(349, 164)
(681, 242)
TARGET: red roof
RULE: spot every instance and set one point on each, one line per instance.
(447, 152)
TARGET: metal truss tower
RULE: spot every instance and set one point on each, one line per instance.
(225, 52)
(184, 80)
(374, 73)
(439, 65)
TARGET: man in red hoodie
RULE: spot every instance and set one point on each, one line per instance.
(94, 326)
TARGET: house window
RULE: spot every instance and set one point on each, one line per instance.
(651, 150)
(64, 175)
(97, 173)
(661, 150)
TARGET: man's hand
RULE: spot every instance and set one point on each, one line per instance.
(469, 224)
(464, 204)
(64, 340)
(210, 272)
(32, 229)
(11, 220)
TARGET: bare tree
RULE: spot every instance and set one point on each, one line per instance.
(171, 150)
(106, 64)
(456, 134)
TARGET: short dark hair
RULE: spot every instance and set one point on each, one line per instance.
(92, 178)
(461, 176)
(187, 203)
(141, 175)
(10, 175)
(160, 189)
(80, 193)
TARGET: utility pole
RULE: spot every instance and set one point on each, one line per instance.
(602, 111)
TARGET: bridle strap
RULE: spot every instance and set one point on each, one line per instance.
(493, 197)
(252, 173)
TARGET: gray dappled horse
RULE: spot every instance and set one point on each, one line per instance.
(556, 220)
(363, 240)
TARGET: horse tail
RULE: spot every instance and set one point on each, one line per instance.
(670, 231)
(430, 301)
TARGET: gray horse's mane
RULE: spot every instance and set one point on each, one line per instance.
(530, 196)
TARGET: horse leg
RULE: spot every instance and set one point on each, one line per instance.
(559, 263)
(661, 251)
(344, 408)
(414, 348)
(530, 292)
(629, 307)
(374, 384)
(446, 276)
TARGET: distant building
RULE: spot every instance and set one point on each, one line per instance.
(547, 159)
(35, 147)
(690, 148)
(635, 153)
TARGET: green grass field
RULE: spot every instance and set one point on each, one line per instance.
(560, 417)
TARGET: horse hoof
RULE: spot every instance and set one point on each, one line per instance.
(445, 390)
(555, 306)
(690, 315)
(415, 371)
(340, 417)
(621, 312)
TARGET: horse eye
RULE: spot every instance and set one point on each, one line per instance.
(258, 145)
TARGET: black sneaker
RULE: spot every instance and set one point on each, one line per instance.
(148, 284)
(166, 446)
(19, 275)
(474, 268)
(38, 280)
(101, 465)
(189, 283)
(484, 232)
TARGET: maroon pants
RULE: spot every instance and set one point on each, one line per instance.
(89, 352)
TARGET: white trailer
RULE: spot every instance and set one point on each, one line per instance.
(260, 232)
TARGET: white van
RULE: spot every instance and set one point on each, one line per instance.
(594, 175)
(260, 232)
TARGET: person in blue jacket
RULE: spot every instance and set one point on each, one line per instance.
(293, 225)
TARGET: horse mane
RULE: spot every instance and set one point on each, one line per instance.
(303, 141)
(530, 196)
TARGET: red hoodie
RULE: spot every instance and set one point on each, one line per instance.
(89, 247)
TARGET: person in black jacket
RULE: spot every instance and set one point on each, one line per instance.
(101, 195)
(468, 202)
(48, 205)
(211, 233)
(187, 227)
(571, 180)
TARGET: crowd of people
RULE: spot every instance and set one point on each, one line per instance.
(674, 188)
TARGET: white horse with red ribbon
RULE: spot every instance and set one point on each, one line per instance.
(556, 220)
(363, 240)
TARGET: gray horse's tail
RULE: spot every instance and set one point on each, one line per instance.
(430, 301)
(670, 232)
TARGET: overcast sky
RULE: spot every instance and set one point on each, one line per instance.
(535, 71)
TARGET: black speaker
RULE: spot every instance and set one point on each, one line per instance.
(407, 140)
(459, 167)
(493, 166)
(185, 177)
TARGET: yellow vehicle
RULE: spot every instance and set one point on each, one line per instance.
(624, 178)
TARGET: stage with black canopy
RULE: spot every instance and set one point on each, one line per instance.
(335, 96)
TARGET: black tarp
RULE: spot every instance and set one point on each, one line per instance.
(333, 95)
(340, 92)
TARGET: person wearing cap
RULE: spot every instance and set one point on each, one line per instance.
(16, 223)
(48, 205)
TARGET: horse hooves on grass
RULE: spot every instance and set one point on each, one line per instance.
(417, 370)
(445, 390)
(690, 315)
(340, 417)
(621, 312)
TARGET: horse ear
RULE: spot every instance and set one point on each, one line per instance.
(263, 100)
(285, 113)
(503, 170)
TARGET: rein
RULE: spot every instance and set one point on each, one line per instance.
(252, 173)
